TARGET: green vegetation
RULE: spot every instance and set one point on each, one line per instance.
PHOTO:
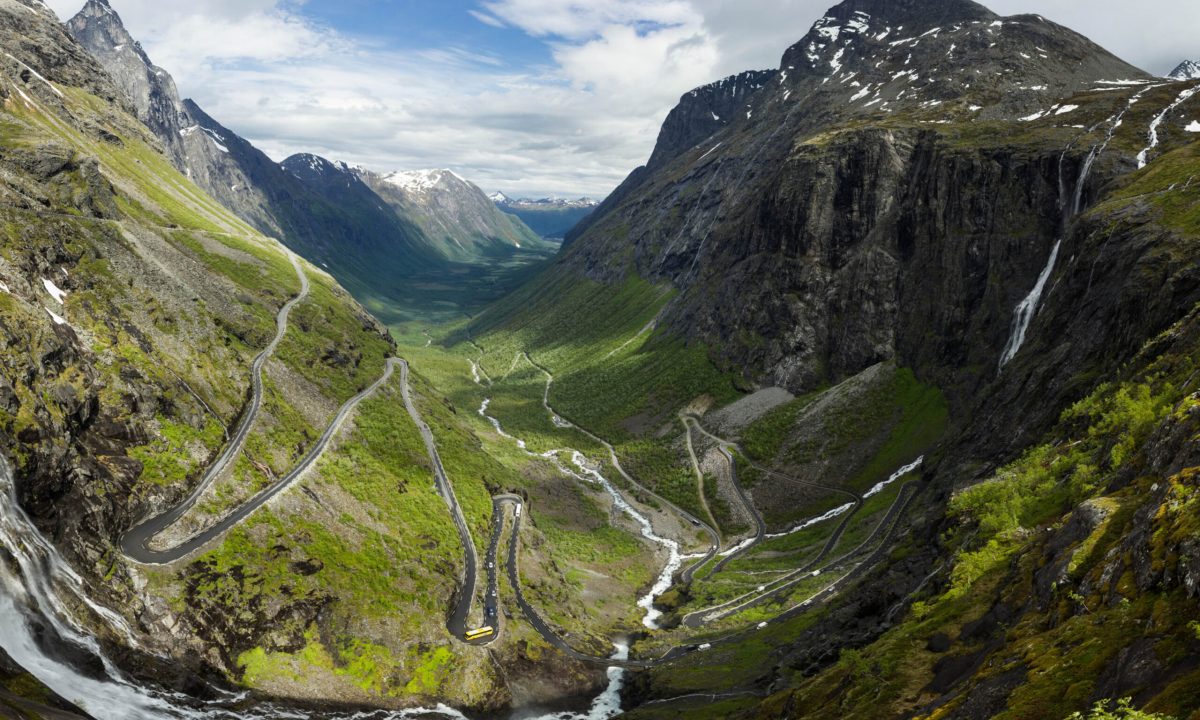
(1049, 479)
(764, 438)
(331, 344)
(664, 468)
(611, 377)
(178, 452)
(1119, 710)
(1053, 655)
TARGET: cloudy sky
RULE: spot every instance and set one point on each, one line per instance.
(532, 97)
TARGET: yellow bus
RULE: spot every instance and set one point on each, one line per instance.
(480, 633)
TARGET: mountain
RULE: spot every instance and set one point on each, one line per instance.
(208, 154)
(922, 242)
(788, 181)
(1187, 70)
(453, 212)
(548, 217)
(354, 241)
(872, 395)
(366, 235)
(161, 358)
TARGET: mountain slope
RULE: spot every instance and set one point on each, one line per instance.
(1186, 70)
(923, 186)
(135, 315)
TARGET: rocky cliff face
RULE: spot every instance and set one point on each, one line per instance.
(849, 212)
(705, 111)
(151, 89)
(211, 156)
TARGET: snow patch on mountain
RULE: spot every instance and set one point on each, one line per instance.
(420, 181)
(1187, 70)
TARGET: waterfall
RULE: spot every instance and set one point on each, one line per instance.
(1027, 308)
(35, 581)
(31, 576)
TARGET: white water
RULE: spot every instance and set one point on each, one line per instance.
(1027, 309)
(1144, 155)
(607, 704)
(31, 608)
(837, 511)
(675, 559)
(843, 509)
(496, 424)
(880, 487)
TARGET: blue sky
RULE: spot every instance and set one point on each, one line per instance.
(421, 25)
(532, 97)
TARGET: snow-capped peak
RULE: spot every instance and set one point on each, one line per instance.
(419, 181)
(499, 198)
(1187, 70)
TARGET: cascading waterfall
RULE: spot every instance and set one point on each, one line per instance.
(1027, 309)
(1143, 157)
(35, 580)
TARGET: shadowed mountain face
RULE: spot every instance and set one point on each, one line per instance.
(816, 218)
(931, 186)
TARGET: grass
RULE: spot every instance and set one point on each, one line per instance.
(176, 454)
(1005, 529)
(610, 376)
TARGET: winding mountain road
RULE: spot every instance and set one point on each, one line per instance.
(780, 585)
(777, 589)
(135, 543)
(560, 421)
(460, 615)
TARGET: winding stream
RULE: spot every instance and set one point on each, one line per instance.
(589, 474)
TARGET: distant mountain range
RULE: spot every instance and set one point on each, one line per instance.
(548, 217)
(368, 230)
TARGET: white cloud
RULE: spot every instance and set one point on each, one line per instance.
(576, 126)
(487, 19)
(583, 19)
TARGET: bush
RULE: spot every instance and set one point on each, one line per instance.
(1117, 710)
